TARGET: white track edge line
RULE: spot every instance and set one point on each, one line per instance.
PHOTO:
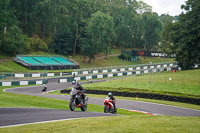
(46, 121)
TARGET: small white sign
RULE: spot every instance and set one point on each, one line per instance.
(50, 74)
(39, 82)
(36, 75)
(120, 74)
(105, 71)
(122, 69)
(6, 83)
(151, 66)
(85, 72)
(145, 67)
(129, 73)
(137, 68)
(130, 69)
(170, 78)
(19, 75)
(99, 76)
(169, 69)
(95, 71)
(146, 71)
(88, 77)
(114, 70)
(137, 72)
(110, 75)
(77, 78)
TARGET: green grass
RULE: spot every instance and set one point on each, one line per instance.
(115, 124)
(182, 83)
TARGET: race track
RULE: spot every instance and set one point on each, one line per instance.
(41, 115)
(21, 116)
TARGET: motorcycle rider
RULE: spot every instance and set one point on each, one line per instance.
(112, 98)
(80, 88)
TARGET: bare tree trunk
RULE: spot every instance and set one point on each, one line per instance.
(76, 39)
(145, 45)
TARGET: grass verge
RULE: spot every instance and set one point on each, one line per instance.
(115, 124)
(181, 83)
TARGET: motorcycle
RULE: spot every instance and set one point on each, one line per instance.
(109, 107)
(77, 101)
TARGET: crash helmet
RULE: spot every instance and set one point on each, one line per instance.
(74, 82)
(77, 85)
(110, 94)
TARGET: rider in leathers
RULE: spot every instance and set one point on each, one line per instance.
(79, 87)
(112, 98)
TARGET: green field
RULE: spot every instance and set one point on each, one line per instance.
(182, 83)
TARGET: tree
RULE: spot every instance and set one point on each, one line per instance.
(101, 31)
(14, 41)
(183, 36)
(63, 42)
(151, 30)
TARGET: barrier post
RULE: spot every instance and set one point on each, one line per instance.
(2, 77)
(165, 81)
(11, 76)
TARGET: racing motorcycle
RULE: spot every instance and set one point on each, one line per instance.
(77, 101)
(109, 107)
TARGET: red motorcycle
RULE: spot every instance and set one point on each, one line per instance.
(109, 107)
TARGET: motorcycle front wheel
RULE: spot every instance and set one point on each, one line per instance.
(72, 105)
(84, 107)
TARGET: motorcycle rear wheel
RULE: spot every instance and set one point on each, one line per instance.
(72, 105)
(106, 109)
(115, 111)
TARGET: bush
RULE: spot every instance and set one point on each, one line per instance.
(125, 57)
(38, 44)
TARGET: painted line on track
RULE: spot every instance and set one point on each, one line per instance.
(144, 112)
(47, 121)
(4, 90)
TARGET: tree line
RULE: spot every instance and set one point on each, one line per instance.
(86, 27)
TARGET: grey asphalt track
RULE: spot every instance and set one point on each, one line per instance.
(153, 108)
(17, 116)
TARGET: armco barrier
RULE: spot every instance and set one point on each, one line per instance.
(91, 70)
(114, 73)
(144, 95)
(24, 82)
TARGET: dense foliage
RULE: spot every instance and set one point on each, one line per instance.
(183, 36)
(89, 27)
